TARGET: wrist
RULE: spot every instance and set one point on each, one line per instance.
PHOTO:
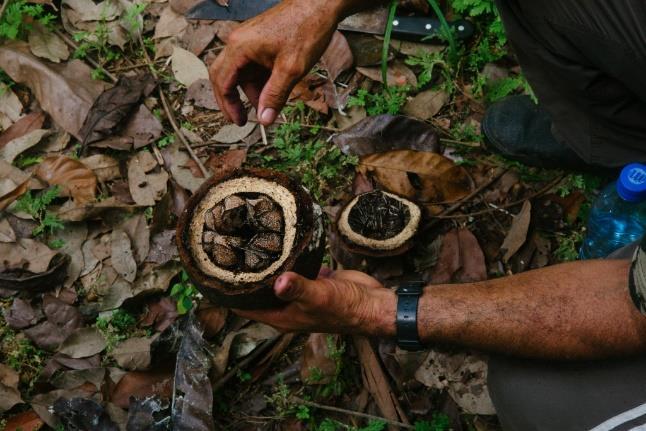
(381, 314)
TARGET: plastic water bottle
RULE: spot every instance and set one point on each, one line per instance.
(618, 216)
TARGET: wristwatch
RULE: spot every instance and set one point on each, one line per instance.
(408, 295)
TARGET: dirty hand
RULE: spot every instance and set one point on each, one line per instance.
(348, 302)
(269, 54)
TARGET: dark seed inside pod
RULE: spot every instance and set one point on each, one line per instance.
(267, 241)
(224, 256)
(270, 220)
(244, 232)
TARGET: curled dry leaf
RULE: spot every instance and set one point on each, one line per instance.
(25, 421)
(426, 104)
(142, 384)
(146, 188)
(66, 92)
(15, 147)
(232, 133)
(9, 394)
(134, 353)
(123, 260)
(201, 94)
(170, 23)
(105, 168)
(422, 176)
(83, 342)
(10, 107)
(385, 133)
(25, 280)
(338, 56)
(460, 259)
(12, 195)
(74, 178)
(24, 125)
(517, 234)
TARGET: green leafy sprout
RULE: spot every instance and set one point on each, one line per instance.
(183, 292)
(36, 205)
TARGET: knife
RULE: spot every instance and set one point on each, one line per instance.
(412, 28)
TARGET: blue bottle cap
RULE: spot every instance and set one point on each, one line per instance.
(631, 185)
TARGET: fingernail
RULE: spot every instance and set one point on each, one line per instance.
(268, 116)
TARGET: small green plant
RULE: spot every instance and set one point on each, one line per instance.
(131, 19)
(439, 422)
(36, 205)
(429, 62)
(19, 353)
(280, 399)
(568, 245)
(165, 141)
(25, 161)
(56, 243)
(5, 82)
(14, 23)
(243, 376)
(303, 413)
(183, 292)
(389, 101)
(586, 183)
(97, 44)
(116, 327)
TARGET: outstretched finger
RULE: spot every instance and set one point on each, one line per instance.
(224, 76)
(276, 92)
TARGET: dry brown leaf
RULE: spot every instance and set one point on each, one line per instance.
(163, 313)
(178, 163)
(9, 393)
(25, 421)
(26, 254)
(226, 161)
(71, 175)
(460, 260)
(199, 35)
(145, 188)
(426, 104)
(318, 367)
(201, 94)
(211, 318)
(133, 354)
(143, 128)
(87, 10)
(517, 234)
(66, 92)
(137, 229)
(337, 57)
(14, 148)
(436, 178)
(10, 106)
(105, 168)
(11, 196)
(231, 133)
(142, 384)
(187, 68)
(398, 74)
(83, 342)
(26, 124)
(46, 44)
(170, 24)
(123, 260)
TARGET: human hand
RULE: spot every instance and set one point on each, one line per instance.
(269, 54)
(348, 302)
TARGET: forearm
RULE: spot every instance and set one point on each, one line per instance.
(575, 310)
(344, 8)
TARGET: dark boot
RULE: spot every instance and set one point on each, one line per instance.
(520, 130)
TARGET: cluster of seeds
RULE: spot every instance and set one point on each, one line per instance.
(378, 216)
(244, 232)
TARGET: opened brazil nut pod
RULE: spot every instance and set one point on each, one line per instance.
(241, 230)
(378, 224)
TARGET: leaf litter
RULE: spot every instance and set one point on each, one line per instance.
(87, 309)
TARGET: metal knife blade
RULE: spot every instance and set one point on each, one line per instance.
(415, 28)
(238, 10)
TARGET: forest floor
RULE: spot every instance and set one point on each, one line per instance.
(108, 125)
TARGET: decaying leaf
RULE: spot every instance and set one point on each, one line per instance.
(398, 74)
(426, 104)
(74, 178)
(170, 24)
(201, 94)
(337, 57)
(134, 353)
(13, 194)
(146, 188)
(143, 128)
(425, 177)
(240, 343)
(226, 161)
(517, 234)
(66, 92)
(464, 375)
(112, 107)
(10, 107)
(187, 68)
(20, 279)
(387, 132)
(45, 43)
(9, 394)
(15, 147)
(142, 384)
(178, 163)
(24, 125)
(105, 168)
(232, 133)
(460, 259)
(25, 421)
(123, 260)
(83, 342)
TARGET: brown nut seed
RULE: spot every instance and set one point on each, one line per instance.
(224, 256)
(255, 261)
(231, 216)
(267, 241)
(271, 220)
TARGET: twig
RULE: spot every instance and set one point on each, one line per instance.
(263, 134)
(464, 144)
(170, 115)
(242, 364)
(541, 192)
(3, 7)
(496, 176)
(351, 413)
(94, 63)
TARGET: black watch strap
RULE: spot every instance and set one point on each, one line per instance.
(407, 301)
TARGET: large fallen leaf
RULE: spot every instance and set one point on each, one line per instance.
(163, 313)
(241, 343)
(145, 188)
(178, 163)
(105, 168)
(426, 104)
(387, 132)
(170, 24)
(201, 94)
(139, 233)
(74, 178)
(26, 124)
(187, 68)
(232, 133)
(460, 259)
(9, 394)
(10, 106)
(425, 177)
(62, 320)
(66, 92)
(134, 353)
(45, 43)
(83, 342)
(122, 259)
(110, 109)
(25, 280)
(398, 74)
(199, 35)
(13, 194)
(143, 127)
(142, 384)
(89, 11)
(318, 366)
(337, 57)
(25, 421)
(14, 148)
(226, 161)
(517, 234)
(26, 254)
(464, 376)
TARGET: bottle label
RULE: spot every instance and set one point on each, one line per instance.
(637, 176)
(637, 280)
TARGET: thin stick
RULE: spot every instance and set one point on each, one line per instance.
(263, 133)
(3, 7)
(541, 192)
(351, 413)
(171, 116)
(465, 144)
(94, 63)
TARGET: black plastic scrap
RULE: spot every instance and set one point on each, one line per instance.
(148, 414)
(79, 414)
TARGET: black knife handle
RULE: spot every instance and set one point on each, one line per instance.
(420, 28)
